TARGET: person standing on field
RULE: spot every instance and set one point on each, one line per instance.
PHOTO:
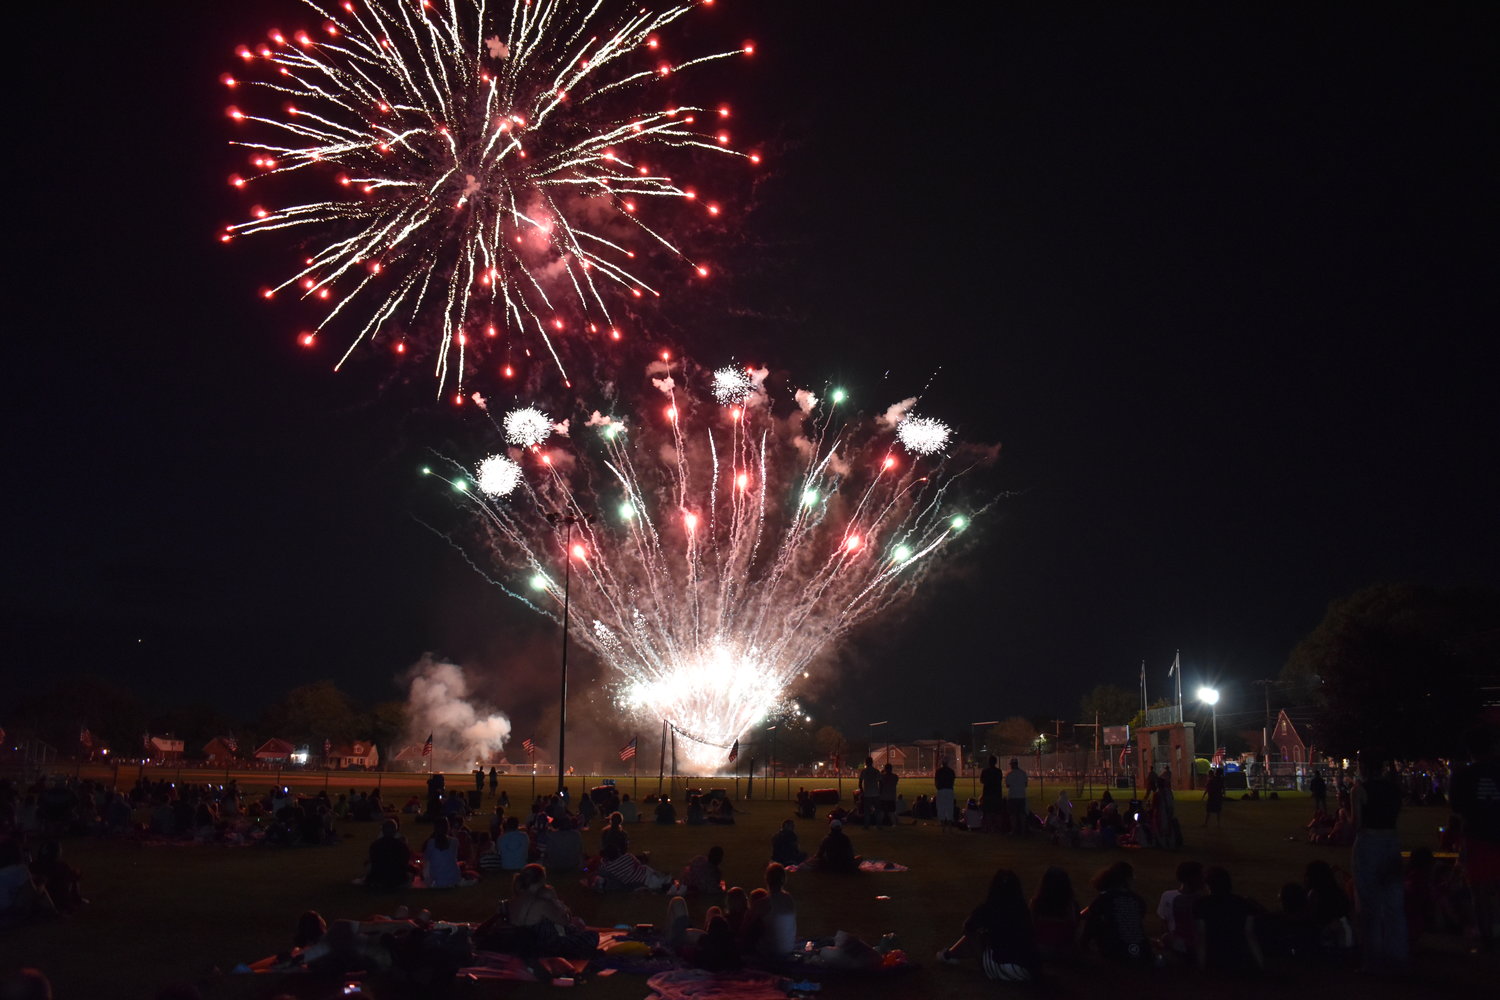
(869, 792)
(943, 781)
(992, 795)
(1015, 798)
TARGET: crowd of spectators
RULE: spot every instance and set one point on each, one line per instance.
(1369, 915)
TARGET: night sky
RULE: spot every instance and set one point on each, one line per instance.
(1221, 280)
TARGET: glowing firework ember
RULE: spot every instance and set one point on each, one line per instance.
(732, 385)
(489, 166)
(730, 545)
(498, 476)
(923, 435)
(527, 427)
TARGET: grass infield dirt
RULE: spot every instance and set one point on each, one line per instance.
(161, 915)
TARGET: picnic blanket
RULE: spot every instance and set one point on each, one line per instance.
(867, 865)
(696, 984)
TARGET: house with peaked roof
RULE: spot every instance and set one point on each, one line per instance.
(360, 753)
(221, 750)
(279, 751)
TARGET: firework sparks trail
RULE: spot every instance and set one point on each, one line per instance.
(729, 547)
(489, 165)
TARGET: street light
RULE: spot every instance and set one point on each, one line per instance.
(1210, 697)
(571, 520)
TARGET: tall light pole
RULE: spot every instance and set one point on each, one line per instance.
(870, 750)
(1265, 733)
(1210, 697)
(570, 552)
(771, 762)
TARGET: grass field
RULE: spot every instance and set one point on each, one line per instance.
(166, 914)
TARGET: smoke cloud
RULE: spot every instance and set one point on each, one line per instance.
(439, 702)
(896, 412)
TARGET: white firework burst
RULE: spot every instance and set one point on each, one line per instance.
(923, 435)
(498, 476)
(527, 426)
(732, 385)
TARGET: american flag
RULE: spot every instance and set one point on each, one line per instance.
(327, 746)
(146, 743)
(85, 737)
(232, 743)
(628, 750)
(427, 747)
(734, 752)
(529, 745)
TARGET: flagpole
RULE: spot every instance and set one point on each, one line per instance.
(1177, 669)
(661, 767)
(1145, 706)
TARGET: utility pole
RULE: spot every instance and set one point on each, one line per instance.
(1097, 728)
(1265, 731)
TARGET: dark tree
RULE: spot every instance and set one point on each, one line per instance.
(1396, 668)
(1116, 705)
(310, 714)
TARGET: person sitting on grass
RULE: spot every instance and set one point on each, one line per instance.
(1175, 908)
(973, 818)
(1319, 827)
(721, 812)
(836, 852)
(440, 863)
(63, 882)
(717, 951)
(22, 896)
(613, 840)
(310, 929)
(784, 847)
(389, 863)
(1054, 914)
(514, 846)
(736, 910)
(487, 855)
(779, 937)
(696, 814)
(1290, 932)
(563, 848)
(628, 810)
(1115, 920)
(555, 930)
(1225, 940)
(1007, 939)
(704, 874)
(666, 813)
(1330, 908)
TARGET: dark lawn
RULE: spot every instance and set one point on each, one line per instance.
(163, 914)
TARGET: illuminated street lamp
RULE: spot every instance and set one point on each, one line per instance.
(1210, 697)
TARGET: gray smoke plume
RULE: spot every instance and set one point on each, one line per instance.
(440, 703)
